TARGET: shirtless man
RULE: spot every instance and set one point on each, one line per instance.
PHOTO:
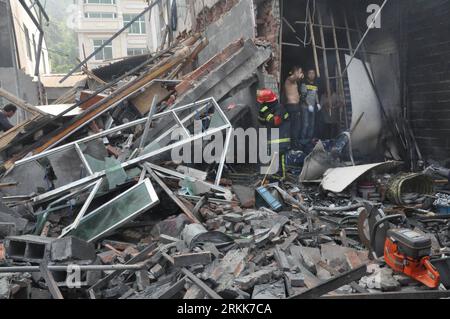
(293, 107)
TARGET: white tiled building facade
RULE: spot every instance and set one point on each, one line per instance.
(98, 20)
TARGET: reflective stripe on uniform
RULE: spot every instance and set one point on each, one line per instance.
(312, 87)
(283, 165)
(264, 109)
(279, 141)
(270, 117)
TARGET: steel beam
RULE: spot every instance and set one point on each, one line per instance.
(333, 284)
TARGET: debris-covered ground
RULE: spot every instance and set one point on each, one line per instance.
(93, 204)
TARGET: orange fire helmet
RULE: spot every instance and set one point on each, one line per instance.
(266, 96)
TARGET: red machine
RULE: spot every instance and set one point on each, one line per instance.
(408, 252)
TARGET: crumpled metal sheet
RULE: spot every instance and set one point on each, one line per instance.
(366, 135)
(337, 180)
(316, 164)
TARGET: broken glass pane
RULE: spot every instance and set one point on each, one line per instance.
(117, 212)
(115, 174)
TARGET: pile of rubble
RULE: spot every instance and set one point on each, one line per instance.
(285, 246)
(93, 206)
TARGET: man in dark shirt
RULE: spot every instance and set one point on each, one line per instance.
(7, 113)
(310, 92)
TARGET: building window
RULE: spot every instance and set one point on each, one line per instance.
(136, 51)
(27, 40)
(104, 54)
(100, 1)
(138, 27)
(100, 15)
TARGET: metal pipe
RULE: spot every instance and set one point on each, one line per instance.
(42, 9)
(97, 92)
(151, 114)
(125, 27)
(70, 268)
(325, 26)
(31, 15)
(38, 56)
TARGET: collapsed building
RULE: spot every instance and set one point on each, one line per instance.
(89, 181)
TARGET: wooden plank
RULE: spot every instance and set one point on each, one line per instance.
(50, 281)
(159, 70)
(180, 204)
(173, 290)
(84, 95)
(141, 102)
(201, 284)
(10, 135)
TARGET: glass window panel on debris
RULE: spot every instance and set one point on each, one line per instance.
(117, 212)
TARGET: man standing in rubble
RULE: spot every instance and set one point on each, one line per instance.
(293, 107)
(310, 94)
(7, 113)
(273, 116)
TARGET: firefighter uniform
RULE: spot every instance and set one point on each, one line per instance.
(273, 115)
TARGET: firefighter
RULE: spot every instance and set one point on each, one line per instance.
(273, 115)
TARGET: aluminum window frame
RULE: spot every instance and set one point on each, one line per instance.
(154, 200)
(201, 105)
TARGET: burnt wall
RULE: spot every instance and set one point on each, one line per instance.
(428, 75)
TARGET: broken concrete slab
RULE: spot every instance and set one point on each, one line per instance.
(281, 259)
(231, 26)
(311, 257)
(71, 248)
(222, 273)
(8, 216)
(7, 229)
(185, 260)
(274, 290)
(294, 280)
(245, 195)
(234, 218)
(356, 258)
(263, 276)
(335, 255)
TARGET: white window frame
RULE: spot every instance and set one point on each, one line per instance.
(101, 15)
(102, 52)
(137, 51)
(140, 24)
(101, 2)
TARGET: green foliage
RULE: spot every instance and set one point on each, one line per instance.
(61, 40)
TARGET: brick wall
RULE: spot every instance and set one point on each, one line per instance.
(428, 75)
